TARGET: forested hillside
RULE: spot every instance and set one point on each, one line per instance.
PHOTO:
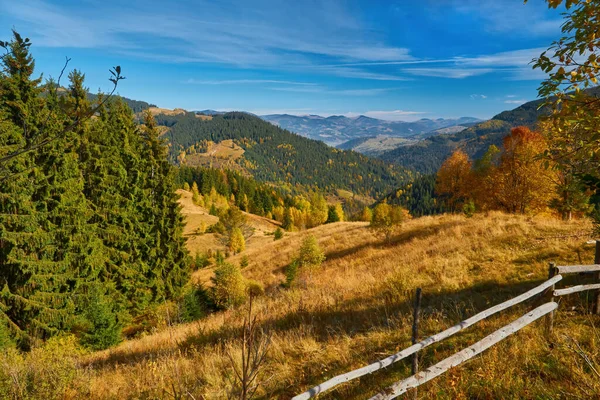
(427, 156)
(274, 155)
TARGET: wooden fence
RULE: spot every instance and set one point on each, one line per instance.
(546, 289)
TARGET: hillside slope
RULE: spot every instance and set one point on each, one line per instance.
(428, 155)
(274, 155)
(198, 218)
(357, 309)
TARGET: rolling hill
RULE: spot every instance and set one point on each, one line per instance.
(338, 129)
(274, 155)
(427, 155)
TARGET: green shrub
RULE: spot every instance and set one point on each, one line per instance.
(291, 273)
(193, 304)
(469, 209)
(309, 257)
(229, 288)
(219, 257)
(186, 186)
(254, 288)
(244, 262)
(47, 372)
(101, 326)
(201, 260)
(278, 234)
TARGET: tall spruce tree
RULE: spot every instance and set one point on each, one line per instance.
(34, 274)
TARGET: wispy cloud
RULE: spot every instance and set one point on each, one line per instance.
(478, 96)
(246, 81)
(255, 34)
(324, 90)
(518, 102)
(499, 17)
(448, 72)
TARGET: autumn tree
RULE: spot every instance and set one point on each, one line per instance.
(454, 178)
(482, 185)
(237, 243)
(336, 213)
(522, 183)
(386, 218)
(309, 258)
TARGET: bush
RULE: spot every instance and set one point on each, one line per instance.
(469, 209)
(244, 262)
(387, 218)
(186, 186)
(194, 304)
(254, 288)
(201, 260)
(291, 273)
(278, 234)
(229, 288)
(309, 257)
(219, 258)
(47, 372)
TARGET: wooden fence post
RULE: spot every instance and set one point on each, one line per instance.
(415, 335)
(596, 305)
(550, 316)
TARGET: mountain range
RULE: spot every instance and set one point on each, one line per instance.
(337, 129)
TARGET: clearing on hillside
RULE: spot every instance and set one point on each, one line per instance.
(197, 218)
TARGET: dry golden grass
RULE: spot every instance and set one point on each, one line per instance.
(196, 217)
(166, 111)
(356, 309)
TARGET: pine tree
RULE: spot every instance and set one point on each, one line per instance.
(35, 282)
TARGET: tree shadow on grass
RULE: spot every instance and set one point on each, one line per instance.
(349, 319)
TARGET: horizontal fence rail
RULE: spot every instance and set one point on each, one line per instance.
(575, 289)
(402, 386)
(574, 269)
(426, 342)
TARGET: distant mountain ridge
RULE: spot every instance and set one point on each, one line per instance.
(426, 156)
(337, 129)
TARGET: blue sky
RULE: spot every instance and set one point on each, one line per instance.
(398, 60)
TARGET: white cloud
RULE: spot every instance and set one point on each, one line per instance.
(256, 34)
(518, 102)
(323, 90)
(448, 72)
(478, 96)
(247, 81)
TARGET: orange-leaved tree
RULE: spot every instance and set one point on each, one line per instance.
(522, 183)
(453, 179)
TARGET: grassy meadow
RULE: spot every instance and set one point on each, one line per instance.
(357, 309)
